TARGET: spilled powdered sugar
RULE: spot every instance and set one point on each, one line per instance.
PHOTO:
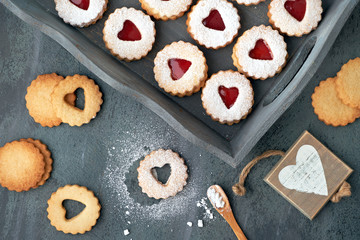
(203, 203)
(131, 151)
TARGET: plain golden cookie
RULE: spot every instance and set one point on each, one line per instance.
(47, 158)
(71, 114)
(348, 83)
(82, 222)
(329, 108)
(21, 166)
(38, 100)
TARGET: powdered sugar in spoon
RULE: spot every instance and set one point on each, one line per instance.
(221, 203)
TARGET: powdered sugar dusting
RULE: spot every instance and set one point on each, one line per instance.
(129, 49)
(215, 106)
(249, 2)
(288, 24)
(131, 150)
(167, 8)
(260, 68)
(211, 38)
(77, 16)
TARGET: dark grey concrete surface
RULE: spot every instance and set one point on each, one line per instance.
(104, 154)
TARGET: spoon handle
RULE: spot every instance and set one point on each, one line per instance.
(234, 226)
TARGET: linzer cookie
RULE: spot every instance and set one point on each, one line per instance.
(260, 52)
(180, 69)
(80, 13)
(329, 108)
(129, 34)
(295, 17)
(150, 184)
(81, 223)
(165, 10)
(249, 2)
(22, 166)
(227, 97)
(348, 83)
(71, 114)
(213, 23)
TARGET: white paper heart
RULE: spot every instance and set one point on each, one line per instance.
(307, 175)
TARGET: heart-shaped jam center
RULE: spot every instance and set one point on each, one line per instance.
(83, 4)
(228, 95)
(214, 21)
(296, 8)
(129, 32)
(178, 67)
(261, 51)
(162, 174)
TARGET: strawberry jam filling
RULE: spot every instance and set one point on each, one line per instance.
(228, 95)
(296, 8)
(129, 32)
(178, 67)
(261, 51)
(214, 21)
(83, 4)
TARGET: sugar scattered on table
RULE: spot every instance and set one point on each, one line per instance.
(129, 150)
(202, 203)
(189, 224)
(200, 223)
(126, 232)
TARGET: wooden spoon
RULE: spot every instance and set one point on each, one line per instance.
(227, 213)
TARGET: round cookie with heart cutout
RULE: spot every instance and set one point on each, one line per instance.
(80, 13)
(213, 23)
(165, 9)
(129, 34)
(151, 185)
(295, 17)
(227, 97)
(260, 52)
(82, 222)
(180, 69)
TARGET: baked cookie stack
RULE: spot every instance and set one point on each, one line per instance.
(24, 164)
(336, 101)
(50, 100)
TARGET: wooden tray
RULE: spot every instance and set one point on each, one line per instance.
(186, 115)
